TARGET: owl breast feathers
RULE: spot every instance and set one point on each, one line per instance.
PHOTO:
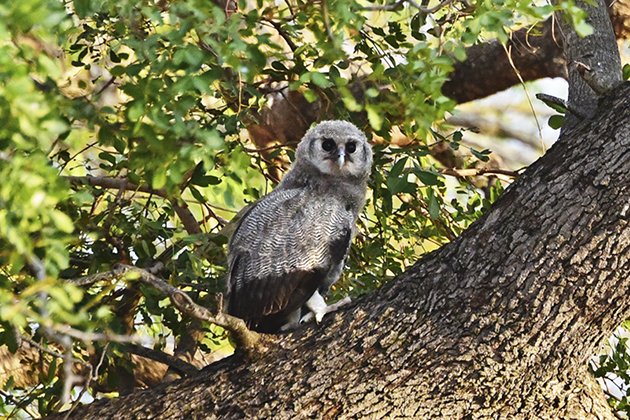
(290, 246)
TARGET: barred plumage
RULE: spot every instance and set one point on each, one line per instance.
(290, 246)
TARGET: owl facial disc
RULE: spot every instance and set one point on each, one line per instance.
(336, 148)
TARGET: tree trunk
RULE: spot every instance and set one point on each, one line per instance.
(499, 323)
(593, 62)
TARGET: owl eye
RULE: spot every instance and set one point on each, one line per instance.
(328, 144)
(351, 147)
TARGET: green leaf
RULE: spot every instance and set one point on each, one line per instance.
(310, 96)
(481, 155)
(556, 121)
(417, 21)
(135, 111)
(8, 337)
(320, 80)
(52, 370)
(159, 179)
(434, 206)
(333, 73)
(108, 157)
(351, 103)
(114, 57)
(554, 105)
(459, 52)
(197, 194)
(427, 178)
(204, 181)
(374, 117)
(278, 65)
(400, 185)
(62, 221)
(82, 7)
(398, 167)
(583, 29)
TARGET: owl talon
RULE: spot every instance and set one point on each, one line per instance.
(289, 326)
(318, 308)
(292, 322)
(306, 318)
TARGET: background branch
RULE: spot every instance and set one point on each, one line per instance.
(180, 366)
(181, 208)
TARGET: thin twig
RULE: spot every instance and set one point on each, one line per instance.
(272, 147)
(560, 102)
(47, 350)
(18, 404)
(105, 86)
(478, 172)
(492, 128)
(107, 224)
(508, 53)
(114, 183)
(89, 337)
(400, 4)
(64, 340)
(100, 363)
(185, 215)
(283, 34)
(69, 378)
(89, 146)
(92, 376)
(246, 339)
(326, 16)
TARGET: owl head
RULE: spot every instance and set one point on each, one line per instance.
(336, 148)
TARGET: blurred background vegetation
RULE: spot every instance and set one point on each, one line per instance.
(132, 132)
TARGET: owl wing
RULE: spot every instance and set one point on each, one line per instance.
(283, 249)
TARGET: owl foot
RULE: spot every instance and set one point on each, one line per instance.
(293, 321)
(318, 308)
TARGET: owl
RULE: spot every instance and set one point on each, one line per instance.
(291, 245)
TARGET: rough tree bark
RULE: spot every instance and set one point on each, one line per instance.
(499, 323)
(593, 66)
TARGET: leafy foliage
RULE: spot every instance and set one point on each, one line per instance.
(124, 140)
(614, 370)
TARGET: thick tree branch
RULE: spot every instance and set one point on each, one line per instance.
(498, 323)
(180, 366)
(536, 53)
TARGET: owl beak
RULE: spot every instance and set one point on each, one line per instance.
(341, 156)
